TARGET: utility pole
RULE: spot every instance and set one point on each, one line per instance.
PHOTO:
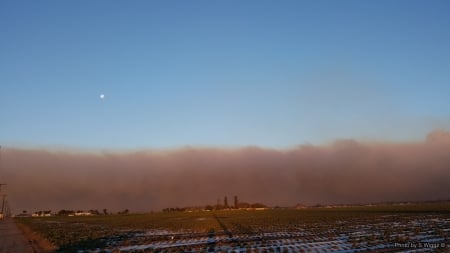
(4, 195)
(7, 209)
(1, 167)
(3, 203)
(3, 206)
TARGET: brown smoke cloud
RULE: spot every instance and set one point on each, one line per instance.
(344, 172)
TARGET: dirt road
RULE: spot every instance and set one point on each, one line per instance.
(12, 240)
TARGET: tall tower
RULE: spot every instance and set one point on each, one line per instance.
(236, 203)
(225, 202)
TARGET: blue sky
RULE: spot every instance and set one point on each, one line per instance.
(221, 73)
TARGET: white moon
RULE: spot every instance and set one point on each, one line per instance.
(102, 96)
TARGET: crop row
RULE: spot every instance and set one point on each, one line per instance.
(282, 230)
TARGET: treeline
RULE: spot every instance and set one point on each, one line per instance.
(219, 206)
(64, 212)
(241, 205)
(90, 212)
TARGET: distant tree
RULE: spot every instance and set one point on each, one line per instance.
(236, 202)
(209, 208)
(174, 209)
(243, 205)
(65, 212)
(105, 211)
(258, 205)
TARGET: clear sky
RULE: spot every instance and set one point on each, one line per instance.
(221, 73)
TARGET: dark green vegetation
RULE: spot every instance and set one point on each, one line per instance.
(349, 228)
(71, 233)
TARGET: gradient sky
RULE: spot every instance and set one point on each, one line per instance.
(221, 73)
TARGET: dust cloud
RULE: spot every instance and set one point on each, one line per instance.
(346, 171)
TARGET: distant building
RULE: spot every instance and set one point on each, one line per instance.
(82, 213)
(243, 205)
(42, 214)
(299, 206)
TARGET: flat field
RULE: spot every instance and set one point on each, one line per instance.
(391, 228)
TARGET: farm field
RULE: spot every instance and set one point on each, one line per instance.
(409, 228)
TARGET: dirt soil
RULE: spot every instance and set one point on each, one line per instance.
(12, 240)
(37, 242)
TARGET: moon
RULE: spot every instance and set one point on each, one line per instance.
(102, 96)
